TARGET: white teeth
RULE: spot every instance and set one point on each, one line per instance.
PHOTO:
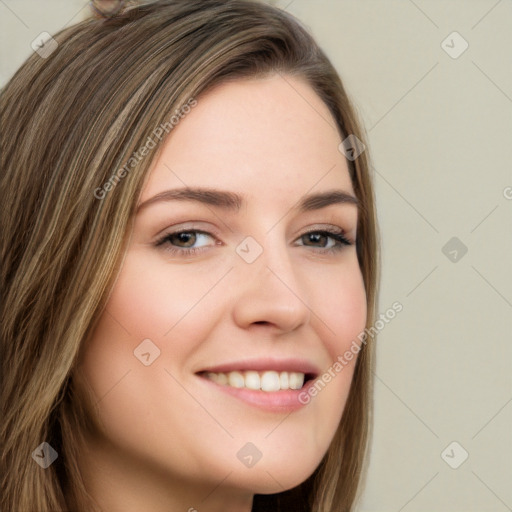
(252, 380)
(270, 381)
(296, 380)
(265, 381)
(283, 379)
(236, 380)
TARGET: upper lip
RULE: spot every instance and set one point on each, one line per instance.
(266, 364)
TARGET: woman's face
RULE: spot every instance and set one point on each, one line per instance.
(244, 295)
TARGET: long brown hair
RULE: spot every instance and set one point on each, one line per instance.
(71, 122)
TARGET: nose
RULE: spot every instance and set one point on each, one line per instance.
(270, 292)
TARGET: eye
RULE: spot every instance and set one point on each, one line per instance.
(189, 242)
(330, 241)
(184, 242)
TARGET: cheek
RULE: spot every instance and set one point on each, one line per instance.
(150, 310)
(150, 300)
(340, 302)
(341, 318)
(137, 402)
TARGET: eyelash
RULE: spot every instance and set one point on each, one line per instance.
(339, 237)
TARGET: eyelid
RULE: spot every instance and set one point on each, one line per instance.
(160, 241)
(212, 231)
(339, 237)
(196, 226)
(333, 232)
(329, 228)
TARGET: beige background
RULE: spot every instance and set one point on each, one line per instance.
(440, 135)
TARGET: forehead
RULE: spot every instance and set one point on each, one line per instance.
(269, 137)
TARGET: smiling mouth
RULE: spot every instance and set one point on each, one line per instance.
(268, 381)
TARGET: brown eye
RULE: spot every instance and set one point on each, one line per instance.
(328, 240)
(184, 239)
(185, 243)
(316, 238)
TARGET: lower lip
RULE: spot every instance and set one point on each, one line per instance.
(272, 401)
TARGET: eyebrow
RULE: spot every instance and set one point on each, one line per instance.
(231, 201)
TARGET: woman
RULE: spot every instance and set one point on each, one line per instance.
(189, 260)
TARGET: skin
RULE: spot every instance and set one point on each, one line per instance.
(167, 439)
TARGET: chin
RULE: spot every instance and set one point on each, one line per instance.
(276, 476)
